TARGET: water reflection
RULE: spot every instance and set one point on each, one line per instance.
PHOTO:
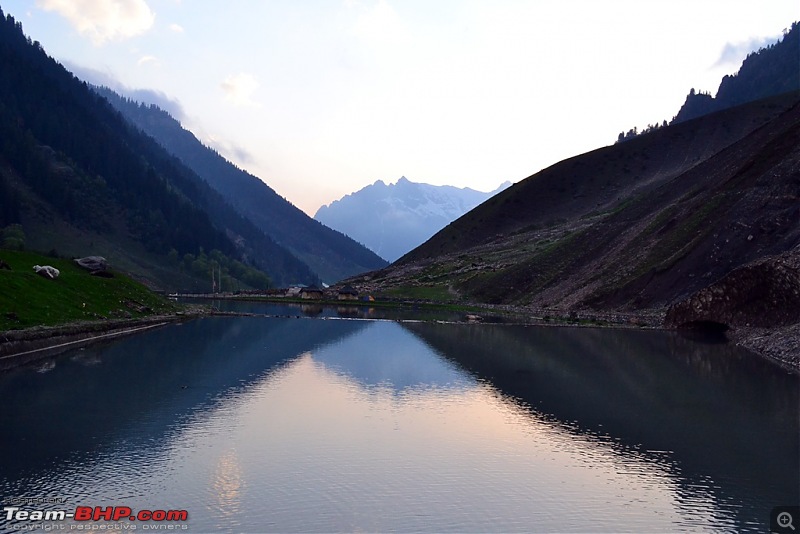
(264, 425)
(140, 386)
(226, 485)
(719, 416)
(391, 357)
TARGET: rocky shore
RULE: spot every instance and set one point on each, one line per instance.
(781, 345)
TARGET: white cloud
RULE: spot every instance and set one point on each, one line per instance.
(148, 59)
(379, 23)
(177, 28)
(105, 78)
(105, 20)
(239, 89)
(733, 53)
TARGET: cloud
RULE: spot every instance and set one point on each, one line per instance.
(227, 148)
(238, 154)
(378, 22)
(148, 59)
(153, 96)
(239, 89)
(734, 53)
(92, 76)
(177, 28)
(106, 20)
(147, 96)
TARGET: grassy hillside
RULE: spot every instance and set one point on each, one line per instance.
(28, 299)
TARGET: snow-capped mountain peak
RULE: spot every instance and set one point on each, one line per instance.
(394, 219)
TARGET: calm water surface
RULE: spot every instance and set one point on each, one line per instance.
(321, 425)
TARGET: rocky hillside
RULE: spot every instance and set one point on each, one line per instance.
(394, 219)
(637, 225)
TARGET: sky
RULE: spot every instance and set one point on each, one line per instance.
(321, 98)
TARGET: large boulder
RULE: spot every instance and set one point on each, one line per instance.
(92, 263)
(764, 294)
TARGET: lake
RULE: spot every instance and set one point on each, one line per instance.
(254, 424)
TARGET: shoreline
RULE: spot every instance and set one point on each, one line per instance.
(779, 346)
(20, 347)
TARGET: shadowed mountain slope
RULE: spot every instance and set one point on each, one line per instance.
(635, 225)
(331, 254)
(600, 181)
(82, 181)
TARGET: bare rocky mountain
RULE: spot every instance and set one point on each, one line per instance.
(700, 217)
(635, 226)
(393, 219)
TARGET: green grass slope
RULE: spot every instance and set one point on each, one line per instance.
(28, 299)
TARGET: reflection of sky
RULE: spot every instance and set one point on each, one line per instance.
(320, 425)
(226, 485)
(385, 354)
(342, 455)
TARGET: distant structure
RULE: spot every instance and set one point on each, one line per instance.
(311, 293)
(348, 293)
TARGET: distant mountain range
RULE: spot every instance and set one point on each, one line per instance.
(644, 224)
(393, 219)
(330, 254)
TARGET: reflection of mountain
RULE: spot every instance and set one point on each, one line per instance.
(323, 415)
(710, 407)
(150, 382)
(384, 354)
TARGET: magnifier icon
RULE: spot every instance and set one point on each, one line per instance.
(785, 520)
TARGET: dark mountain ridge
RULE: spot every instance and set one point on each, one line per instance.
(652, 240)
(770, 71)
(75, 174)
(331, 254)
(773, 70)
(597, 182)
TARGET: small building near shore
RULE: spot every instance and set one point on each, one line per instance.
(311, 293)
(294, 291)
(348, 293)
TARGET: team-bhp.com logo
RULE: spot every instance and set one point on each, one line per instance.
(96, 514)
